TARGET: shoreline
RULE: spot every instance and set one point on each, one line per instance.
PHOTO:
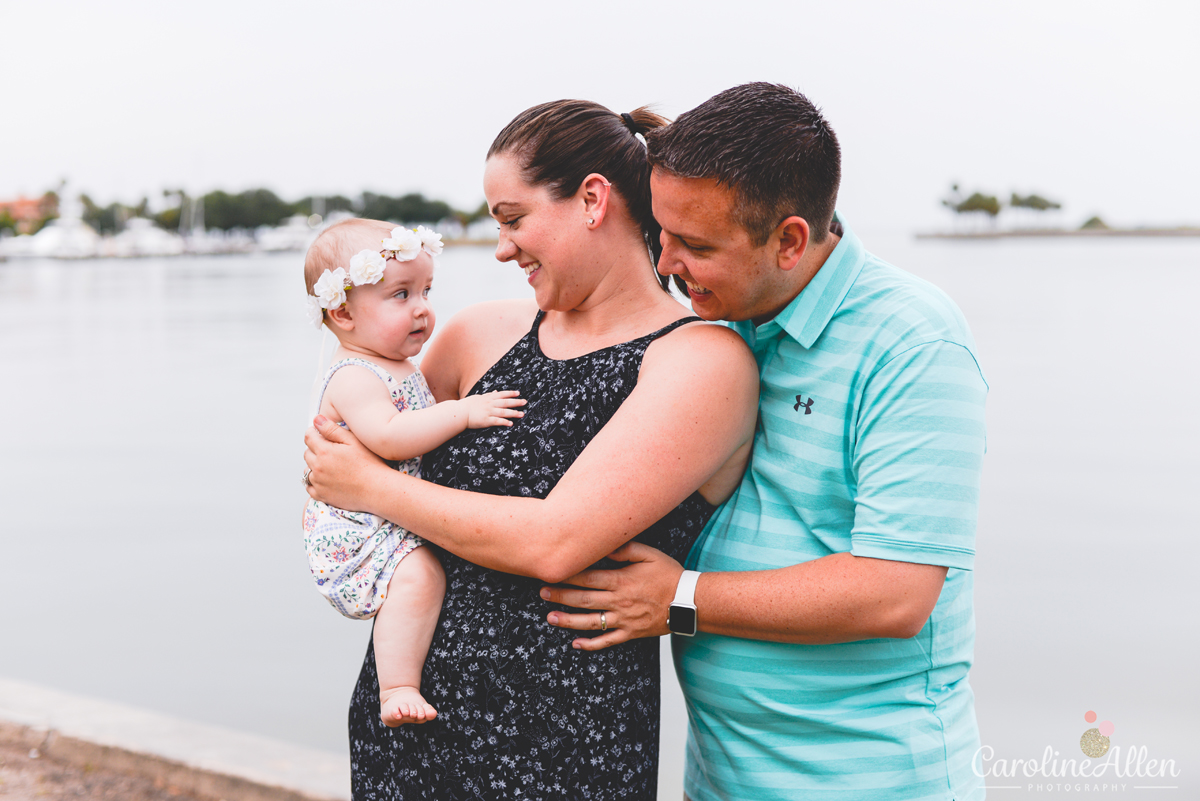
(1028, 233)
(203, 760)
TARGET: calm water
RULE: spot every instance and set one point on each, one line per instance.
(150, 469)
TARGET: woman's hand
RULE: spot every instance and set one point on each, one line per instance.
(341, 470)
(634, 599)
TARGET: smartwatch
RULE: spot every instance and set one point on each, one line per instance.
(682, 616)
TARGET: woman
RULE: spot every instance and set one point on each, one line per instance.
(639, 421)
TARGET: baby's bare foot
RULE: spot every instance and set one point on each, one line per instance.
(404, 705)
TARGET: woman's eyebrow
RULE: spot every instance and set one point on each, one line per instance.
(498, 208)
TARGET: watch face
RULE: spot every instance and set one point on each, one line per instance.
(682, 620)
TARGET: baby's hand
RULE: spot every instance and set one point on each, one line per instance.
(493, 408)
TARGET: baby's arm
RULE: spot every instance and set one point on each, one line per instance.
(363, 402)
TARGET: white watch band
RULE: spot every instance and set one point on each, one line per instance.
(685, 591)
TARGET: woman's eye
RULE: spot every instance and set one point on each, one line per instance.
(511, 223)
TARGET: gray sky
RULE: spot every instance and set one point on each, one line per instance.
(1093, 104)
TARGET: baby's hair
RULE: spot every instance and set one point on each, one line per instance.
(339, 242)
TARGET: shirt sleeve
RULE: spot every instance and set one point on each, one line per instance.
(918, 451)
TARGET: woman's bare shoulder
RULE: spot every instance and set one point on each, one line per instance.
(493, 317)
(711, 342)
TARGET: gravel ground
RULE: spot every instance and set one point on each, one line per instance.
(27, 778)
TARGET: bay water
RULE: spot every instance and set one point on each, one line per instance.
(151, 414)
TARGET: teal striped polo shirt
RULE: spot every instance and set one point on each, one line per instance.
(870, 440)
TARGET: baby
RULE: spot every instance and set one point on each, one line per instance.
(369, 284)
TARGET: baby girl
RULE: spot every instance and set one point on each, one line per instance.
(369, 284)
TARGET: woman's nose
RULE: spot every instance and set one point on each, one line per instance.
(505, 249)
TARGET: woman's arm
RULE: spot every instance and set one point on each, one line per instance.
(692, 411)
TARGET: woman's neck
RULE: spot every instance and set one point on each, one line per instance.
(627, 303)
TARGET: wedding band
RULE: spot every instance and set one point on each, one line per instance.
(305, 480)
(603, 622)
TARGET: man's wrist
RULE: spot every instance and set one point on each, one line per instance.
(681, 616)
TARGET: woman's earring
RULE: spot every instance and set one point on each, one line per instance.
(591, 221)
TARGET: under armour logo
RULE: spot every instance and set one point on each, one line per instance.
(807, 406)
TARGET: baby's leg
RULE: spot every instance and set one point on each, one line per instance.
(403, 631)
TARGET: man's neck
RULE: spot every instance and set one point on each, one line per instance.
(810, 264)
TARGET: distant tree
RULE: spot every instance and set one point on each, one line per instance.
(955, 197)
(47, 210)
(1035, 202)
(979, 202)
(331, 203)
(249, 209)
(7, 223)
(465, 218)
(1094, 224)
(410, 208)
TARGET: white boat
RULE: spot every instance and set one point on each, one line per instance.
(63, 238)
(141, 237)
(294, 234)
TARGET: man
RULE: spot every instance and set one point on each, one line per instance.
(830, 597)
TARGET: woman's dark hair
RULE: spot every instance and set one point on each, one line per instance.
(560, 143)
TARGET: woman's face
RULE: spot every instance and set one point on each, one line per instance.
(544, 236)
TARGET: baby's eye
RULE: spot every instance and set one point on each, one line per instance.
(402, 294)
(425, 293)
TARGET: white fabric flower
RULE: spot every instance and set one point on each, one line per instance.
(315, 315)
(330, 289)
(431, 241)
(367, 268)
(404, 244)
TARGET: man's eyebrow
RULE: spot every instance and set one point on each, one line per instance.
(695, 240)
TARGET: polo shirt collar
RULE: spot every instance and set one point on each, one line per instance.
(809, 312)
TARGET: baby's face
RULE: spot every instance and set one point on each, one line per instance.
(393, 318)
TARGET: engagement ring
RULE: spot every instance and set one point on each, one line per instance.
(603, 621)
(304, 479)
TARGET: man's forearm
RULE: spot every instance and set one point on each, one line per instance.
(838, 598)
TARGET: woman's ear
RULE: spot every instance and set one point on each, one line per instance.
(340, 317)
(595, 192)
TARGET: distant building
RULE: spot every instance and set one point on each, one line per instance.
(27, 212)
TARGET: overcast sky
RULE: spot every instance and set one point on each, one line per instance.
(1091, 103)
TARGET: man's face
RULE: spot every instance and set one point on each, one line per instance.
(728, 277)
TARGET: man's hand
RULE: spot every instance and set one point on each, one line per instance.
(340, 467)
(634, 599)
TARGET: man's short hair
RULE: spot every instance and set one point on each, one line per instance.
(769, 144)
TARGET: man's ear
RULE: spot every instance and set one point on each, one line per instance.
(792, 236)
(340, 317)
(595, 192)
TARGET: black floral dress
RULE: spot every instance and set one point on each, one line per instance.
(521, 714)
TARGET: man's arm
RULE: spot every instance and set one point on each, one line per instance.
(837, 598)
(916, 462)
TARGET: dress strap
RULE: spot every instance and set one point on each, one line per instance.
(387, 378)
(666, 329)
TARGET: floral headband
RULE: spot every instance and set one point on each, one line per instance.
(366, 267)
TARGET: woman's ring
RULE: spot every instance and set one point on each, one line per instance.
(305, 480)
(603, 621)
